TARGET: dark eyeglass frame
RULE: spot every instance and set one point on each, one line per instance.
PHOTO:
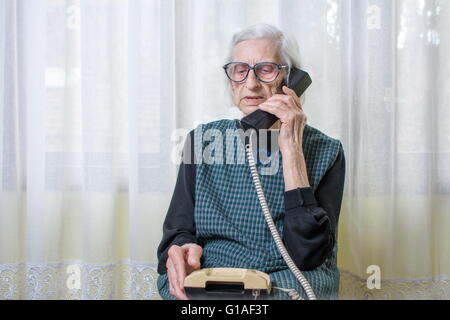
(249, 68)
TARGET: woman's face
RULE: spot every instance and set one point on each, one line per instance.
(248, 95)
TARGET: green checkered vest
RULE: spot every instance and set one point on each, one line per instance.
(229, 220)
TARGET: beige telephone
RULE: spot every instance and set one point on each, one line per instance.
(225, 283)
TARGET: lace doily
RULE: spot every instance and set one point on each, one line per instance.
(354, 287)
(78, 281)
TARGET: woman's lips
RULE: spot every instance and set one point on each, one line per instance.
(254, 101)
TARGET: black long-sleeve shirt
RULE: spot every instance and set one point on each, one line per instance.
(310, 221)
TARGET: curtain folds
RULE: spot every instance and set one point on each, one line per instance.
(96, 98)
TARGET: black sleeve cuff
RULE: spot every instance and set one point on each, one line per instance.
(300, 197)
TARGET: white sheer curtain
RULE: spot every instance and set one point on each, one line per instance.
(96, 97)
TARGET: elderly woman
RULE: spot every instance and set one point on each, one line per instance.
(215, 217)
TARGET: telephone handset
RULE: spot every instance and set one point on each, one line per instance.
(299, 81)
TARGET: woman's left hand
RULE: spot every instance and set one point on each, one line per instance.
(290, 141)
(288, 109)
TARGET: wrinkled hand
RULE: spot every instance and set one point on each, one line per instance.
(181, 262)
(288, 109)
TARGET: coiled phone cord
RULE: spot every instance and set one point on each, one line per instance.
(273, 230)
(291, 292)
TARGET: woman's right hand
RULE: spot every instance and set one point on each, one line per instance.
(181, 262)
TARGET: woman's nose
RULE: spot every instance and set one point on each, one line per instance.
(252, 82)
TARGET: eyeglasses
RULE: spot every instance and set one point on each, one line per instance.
(264, 71)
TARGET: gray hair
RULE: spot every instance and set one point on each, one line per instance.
(287, 45)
